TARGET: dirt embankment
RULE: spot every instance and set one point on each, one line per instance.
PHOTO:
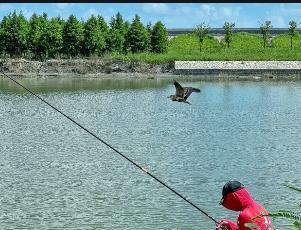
(287, 70)
(55, 67)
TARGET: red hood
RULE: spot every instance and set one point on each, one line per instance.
(238, 200)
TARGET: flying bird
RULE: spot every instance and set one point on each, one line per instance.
(182, 93)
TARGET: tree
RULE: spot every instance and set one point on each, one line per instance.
(73, 36)
(136, 37)
(116, 34)
(3, 28)
(1, 42)
(201, 31)
(53, 37)
(292, 30)
(33, 25)
(38, 27)
(105, 31)
(265, 31)
(61, 21)
(115, 41)
(159, 39)
(94, 41)
(118, 23)
(228, 27)
(15, 31)
(126, 27)
(102, 24)
(149, 34)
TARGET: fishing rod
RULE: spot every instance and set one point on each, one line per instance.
(118, 152)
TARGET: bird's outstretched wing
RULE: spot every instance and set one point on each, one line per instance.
(179, 89)
(190, 90)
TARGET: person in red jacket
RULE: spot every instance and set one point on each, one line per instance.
(252, 214)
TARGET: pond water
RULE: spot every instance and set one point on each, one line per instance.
(54, 175)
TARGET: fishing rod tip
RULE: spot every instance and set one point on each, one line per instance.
(144, 169)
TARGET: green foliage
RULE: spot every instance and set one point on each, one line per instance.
(115, 41)
(1, 41)
(94, 41)
(228, 27)
(284, 41)
(184, 44)
(183, 47)
(188, 44)
(105, 31)
(265, 31)
(3, 26)
(149, 30)
(294, 188)
(118, 23)
(115, 38)
(201, 31)
(42, 38)
(73, 36)
(292, 31)
(38, 28)
(292, 28)
(53, 37)
(102, 24)
(136, 37)
(244, 47)
(158, 38)
(126, 26)
(297, 225)
(15, 31)
(243, 40)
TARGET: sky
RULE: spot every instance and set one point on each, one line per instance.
(173, 15)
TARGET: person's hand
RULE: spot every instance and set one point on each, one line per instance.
(223, 225)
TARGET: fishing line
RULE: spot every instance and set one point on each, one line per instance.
(125, 157)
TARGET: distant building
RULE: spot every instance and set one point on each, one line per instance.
(221, 31)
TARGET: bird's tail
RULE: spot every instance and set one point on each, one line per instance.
(196, 90)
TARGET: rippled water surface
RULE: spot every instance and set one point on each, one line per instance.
(53, 175)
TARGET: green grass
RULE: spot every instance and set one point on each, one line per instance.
(244, 47)
(283, 41)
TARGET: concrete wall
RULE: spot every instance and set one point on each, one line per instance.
(279, 68)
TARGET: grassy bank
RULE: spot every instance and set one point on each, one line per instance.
(245, 46)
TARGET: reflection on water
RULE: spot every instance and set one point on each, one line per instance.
(45, 85)
(55, 176)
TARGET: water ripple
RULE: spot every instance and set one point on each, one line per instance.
(53, 175)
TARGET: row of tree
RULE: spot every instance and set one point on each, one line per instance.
(202, 30)
(40, 37)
